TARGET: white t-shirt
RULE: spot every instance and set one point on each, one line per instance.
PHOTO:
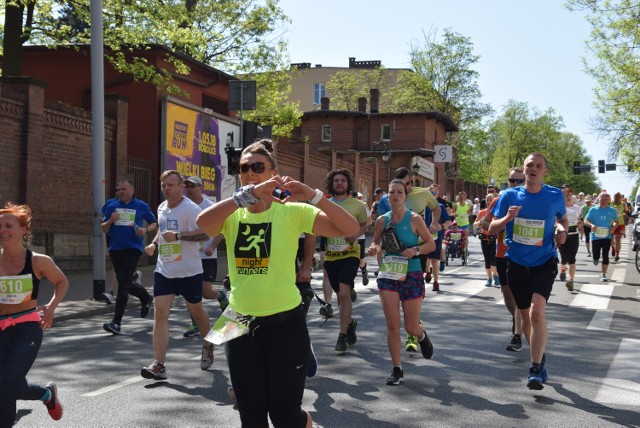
(178, 259)
(204, 244)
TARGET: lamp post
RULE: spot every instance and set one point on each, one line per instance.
(385, 156)
(416, 168)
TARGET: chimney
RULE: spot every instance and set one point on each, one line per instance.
(324, 103)
(362, 104)
(374, 95)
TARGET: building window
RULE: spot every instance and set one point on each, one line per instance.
(385, 132)
(319, 91)
(326, 133)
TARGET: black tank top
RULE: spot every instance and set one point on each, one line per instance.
(28, 269)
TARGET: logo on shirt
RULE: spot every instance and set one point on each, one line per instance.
(252, 249)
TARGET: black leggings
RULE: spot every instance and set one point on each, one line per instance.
(569, 249)
(489, 252)
(124, 264)
(601, 244)
(268, 368)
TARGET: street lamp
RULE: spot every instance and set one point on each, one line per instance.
(416, 168)
(385, 156)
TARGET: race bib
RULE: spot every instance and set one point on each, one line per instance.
(601, 232)
(230, 325)
(463, 218)
(170, 251)
(126, 217)
(394, 268)
(455, 236)
(337, 244)
(15, 289)
(528, 232)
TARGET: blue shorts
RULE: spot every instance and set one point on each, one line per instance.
(209, 269)
(411, 288)
(190, 287)
(465, 227)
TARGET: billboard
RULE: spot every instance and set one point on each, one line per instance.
(194, 140)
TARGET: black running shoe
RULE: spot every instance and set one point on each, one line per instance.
(516, 344)
(111, 327)
(341, 344)
(396, 376)
(426, 346)
(351, 332)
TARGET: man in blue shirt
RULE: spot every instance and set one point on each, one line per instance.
(123, 222)
(532, 257)
(602, 220)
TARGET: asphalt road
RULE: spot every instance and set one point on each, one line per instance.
(592, 358)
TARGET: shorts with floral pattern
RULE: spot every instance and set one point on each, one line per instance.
(411, 288)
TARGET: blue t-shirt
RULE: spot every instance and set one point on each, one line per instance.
(444, 217)
(383, 205)
(530, 235)
(602, 218)
(407, 236)
(122, 235)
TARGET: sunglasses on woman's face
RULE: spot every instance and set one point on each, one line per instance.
(516, 180)
(257, 167)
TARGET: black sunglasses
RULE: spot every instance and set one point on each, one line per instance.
(257, 167)
(516, 180)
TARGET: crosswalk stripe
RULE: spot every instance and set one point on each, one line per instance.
(601, 320)
(593, 296)
(622, 383)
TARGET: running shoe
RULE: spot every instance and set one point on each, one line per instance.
(436, 286)
(354, 295)
(326, 310)
(516, 343)
(111, 327)
(223, 300)
(595, 262)
(341, 344)
(396, 376)
(487, 283)
(569, 285)
(53, 404)
(589, 254)
(603, 278)
(155, 371)
(351, 332)
(109, 298)
(441, 265)
(616, 258)
(427, 276)
(207, 356)
(144, 309)
(365, 276)
(613, 251)
(137, 277)
(313, 363)
(426, 346)
(563, 276)
(534, 381)
(496, 281)
(411, 344)
(193, 330)
(543, 369)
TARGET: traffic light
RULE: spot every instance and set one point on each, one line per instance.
(601, 166)
(576, 167)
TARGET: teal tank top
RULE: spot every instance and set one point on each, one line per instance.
(406, 236)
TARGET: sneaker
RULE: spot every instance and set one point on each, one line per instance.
(563, 276)
(193, 330)
(396, 376)
(613, 252)
(595, 262)
(207, 356)
(534, 381)
(341, 344)
(354, 295)
(487, 283)
(144, 310)
(569, 285)
(109, 298)
(436, 287)
(516, 344)
(223, 300)
(496, 281)
(351, 332)
(155, 371)
(543, 369)
(111, 327)
(365, 277)
(426, 346)
(326, 311)
(411, 344)
(427, 276)
(616, 258)
(589, 254)
(441, 265)
(313, 363)
(603, 278)
(53, 404)
(137, 277)
(376, 273)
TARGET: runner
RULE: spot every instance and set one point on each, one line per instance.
(602, 220)
(20, 322)
(488, 245)
(621, 209)
(531, 254)
(461, 211)
(400, 279)
(430, 261)
(268, 365)
(569, 249)
(586, 230)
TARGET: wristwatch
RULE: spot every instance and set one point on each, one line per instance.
(177, 236)
(417, 250)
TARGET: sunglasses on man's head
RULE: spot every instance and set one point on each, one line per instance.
(516, 180)
(257, 167)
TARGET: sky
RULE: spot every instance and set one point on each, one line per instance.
(530, 51)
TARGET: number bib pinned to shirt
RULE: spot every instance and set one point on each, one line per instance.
(126, 217)
(16, 289)
(337, 244)
(601, 232)
(528, 232)
(394, 268)
(170, 251)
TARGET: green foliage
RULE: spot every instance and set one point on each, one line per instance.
(345, 87)
(616, 68)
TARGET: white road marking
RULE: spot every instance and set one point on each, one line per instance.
(458, 293)
(113, 387)
(601, 320)
(622, 383)
(593, 296)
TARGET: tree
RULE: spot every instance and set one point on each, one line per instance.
(616, 69)
(345, 87)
